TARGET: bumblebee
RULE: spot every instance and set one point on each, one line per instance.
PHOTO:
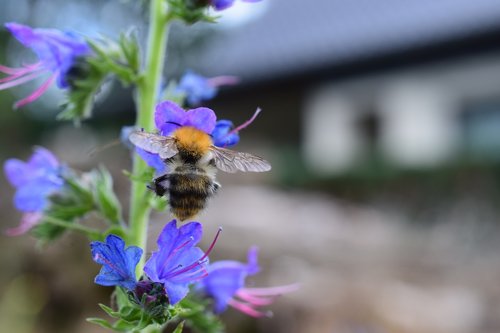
(192, 161)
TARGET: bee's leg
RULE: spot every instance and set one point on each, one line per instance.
(160, 185)
(214, 188)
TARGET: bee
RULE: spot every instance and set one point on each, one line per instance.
(192, 160)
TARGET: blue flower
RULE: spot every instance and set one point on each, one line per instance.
(178, 263)
(225, 283)
(198, 88)
(223, 134)
(118, 263)
(224, 4)
(34, 181)
(57, 52)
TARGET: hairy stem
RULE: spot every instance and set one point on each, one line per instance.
(147, 90)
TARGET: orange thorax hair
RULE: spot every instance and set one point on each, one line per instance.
(192, 140)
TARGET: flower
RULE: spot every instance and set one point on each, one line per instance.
(57, 53)
(223, 134)
(198, 88)
(224, 4)
(178, 263)
(225, 283)
(118, 263)
(170, 116)
(34, 181)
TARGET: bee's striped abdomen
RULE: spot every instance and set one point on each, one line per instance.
(188, 193)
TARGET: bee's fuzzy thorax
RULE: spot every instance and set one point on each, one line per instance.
(193, 140)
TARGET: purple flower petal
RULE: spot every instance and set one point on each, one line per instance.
(168, 117)
(34, 180)
(43, 159)
(203, 119)
(56, 50)
(17, 172)
(172, 237)
(177, 264)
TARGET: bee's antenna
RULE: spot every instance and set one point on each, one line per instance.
(97, 150)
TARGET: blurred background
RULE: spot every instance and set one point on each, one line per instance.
(382, 122)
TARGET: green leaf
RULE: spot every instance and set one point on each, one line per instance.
(100, 322)
(109, 311)
(107, 202)
(179, 327)
(198, 316)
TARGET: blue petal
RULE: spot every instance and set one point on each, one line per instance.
(221, 136)
(222, 4)
(153, 160)
(32, 196)
(17, 172)
(118, 263)
(196, 88)
(177, 262)
(173, 243)
(176, 292)
(176, 283)
(43, 159)
(224, 279)
(172, 237)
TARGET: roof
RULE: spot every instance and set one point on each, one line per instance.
(296, 35)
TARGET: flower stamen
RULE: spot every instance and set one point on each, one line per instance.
(37, 93)
(246, 123)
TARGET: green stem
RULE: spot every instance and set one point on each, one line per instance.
(147, 89)
(90, 232)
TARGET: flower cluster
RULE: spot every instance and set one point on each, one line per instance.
(177, 263)
(34, 180)
(57, 54)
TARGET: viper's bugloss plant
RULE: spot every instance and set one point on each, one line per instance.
(176, 283)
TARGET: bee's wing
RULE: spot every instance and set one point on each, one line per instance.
(231, 161)
(153, 143)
